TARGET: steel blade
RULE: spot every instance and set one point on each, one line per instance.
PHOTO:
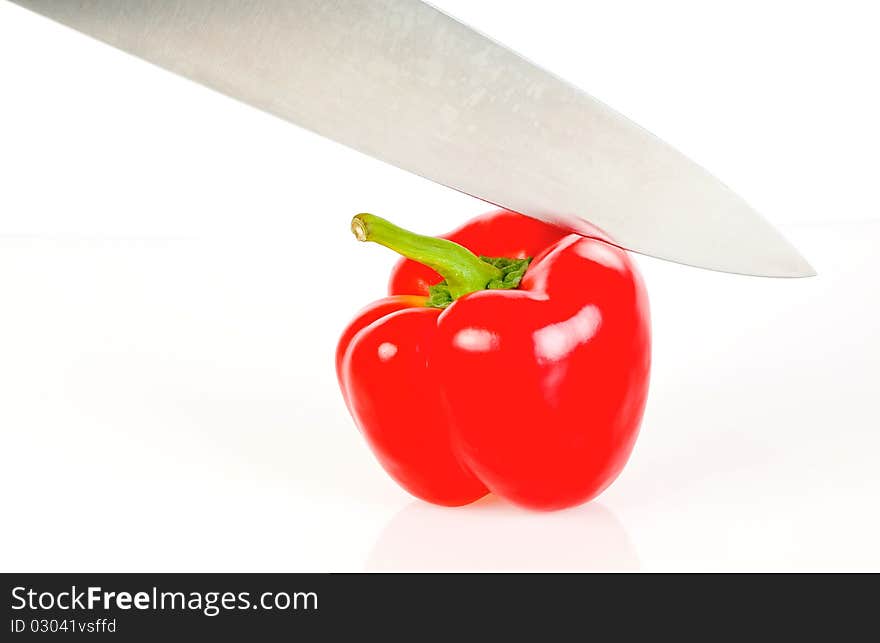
(407, 84)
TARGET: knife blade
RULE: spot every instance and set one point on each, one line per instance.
(407, 84)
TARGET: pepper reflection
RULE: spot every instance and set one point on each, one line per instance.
(491, 535)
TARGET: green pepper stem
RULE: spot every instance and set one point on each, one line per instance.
(463, 271)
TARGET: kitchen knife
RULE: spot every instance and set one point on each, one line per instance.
(405, 83)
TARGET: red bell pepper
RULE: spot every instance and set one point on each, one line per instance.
(473, 377)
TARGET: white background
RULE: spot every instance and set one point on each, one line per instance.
(168, 316)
